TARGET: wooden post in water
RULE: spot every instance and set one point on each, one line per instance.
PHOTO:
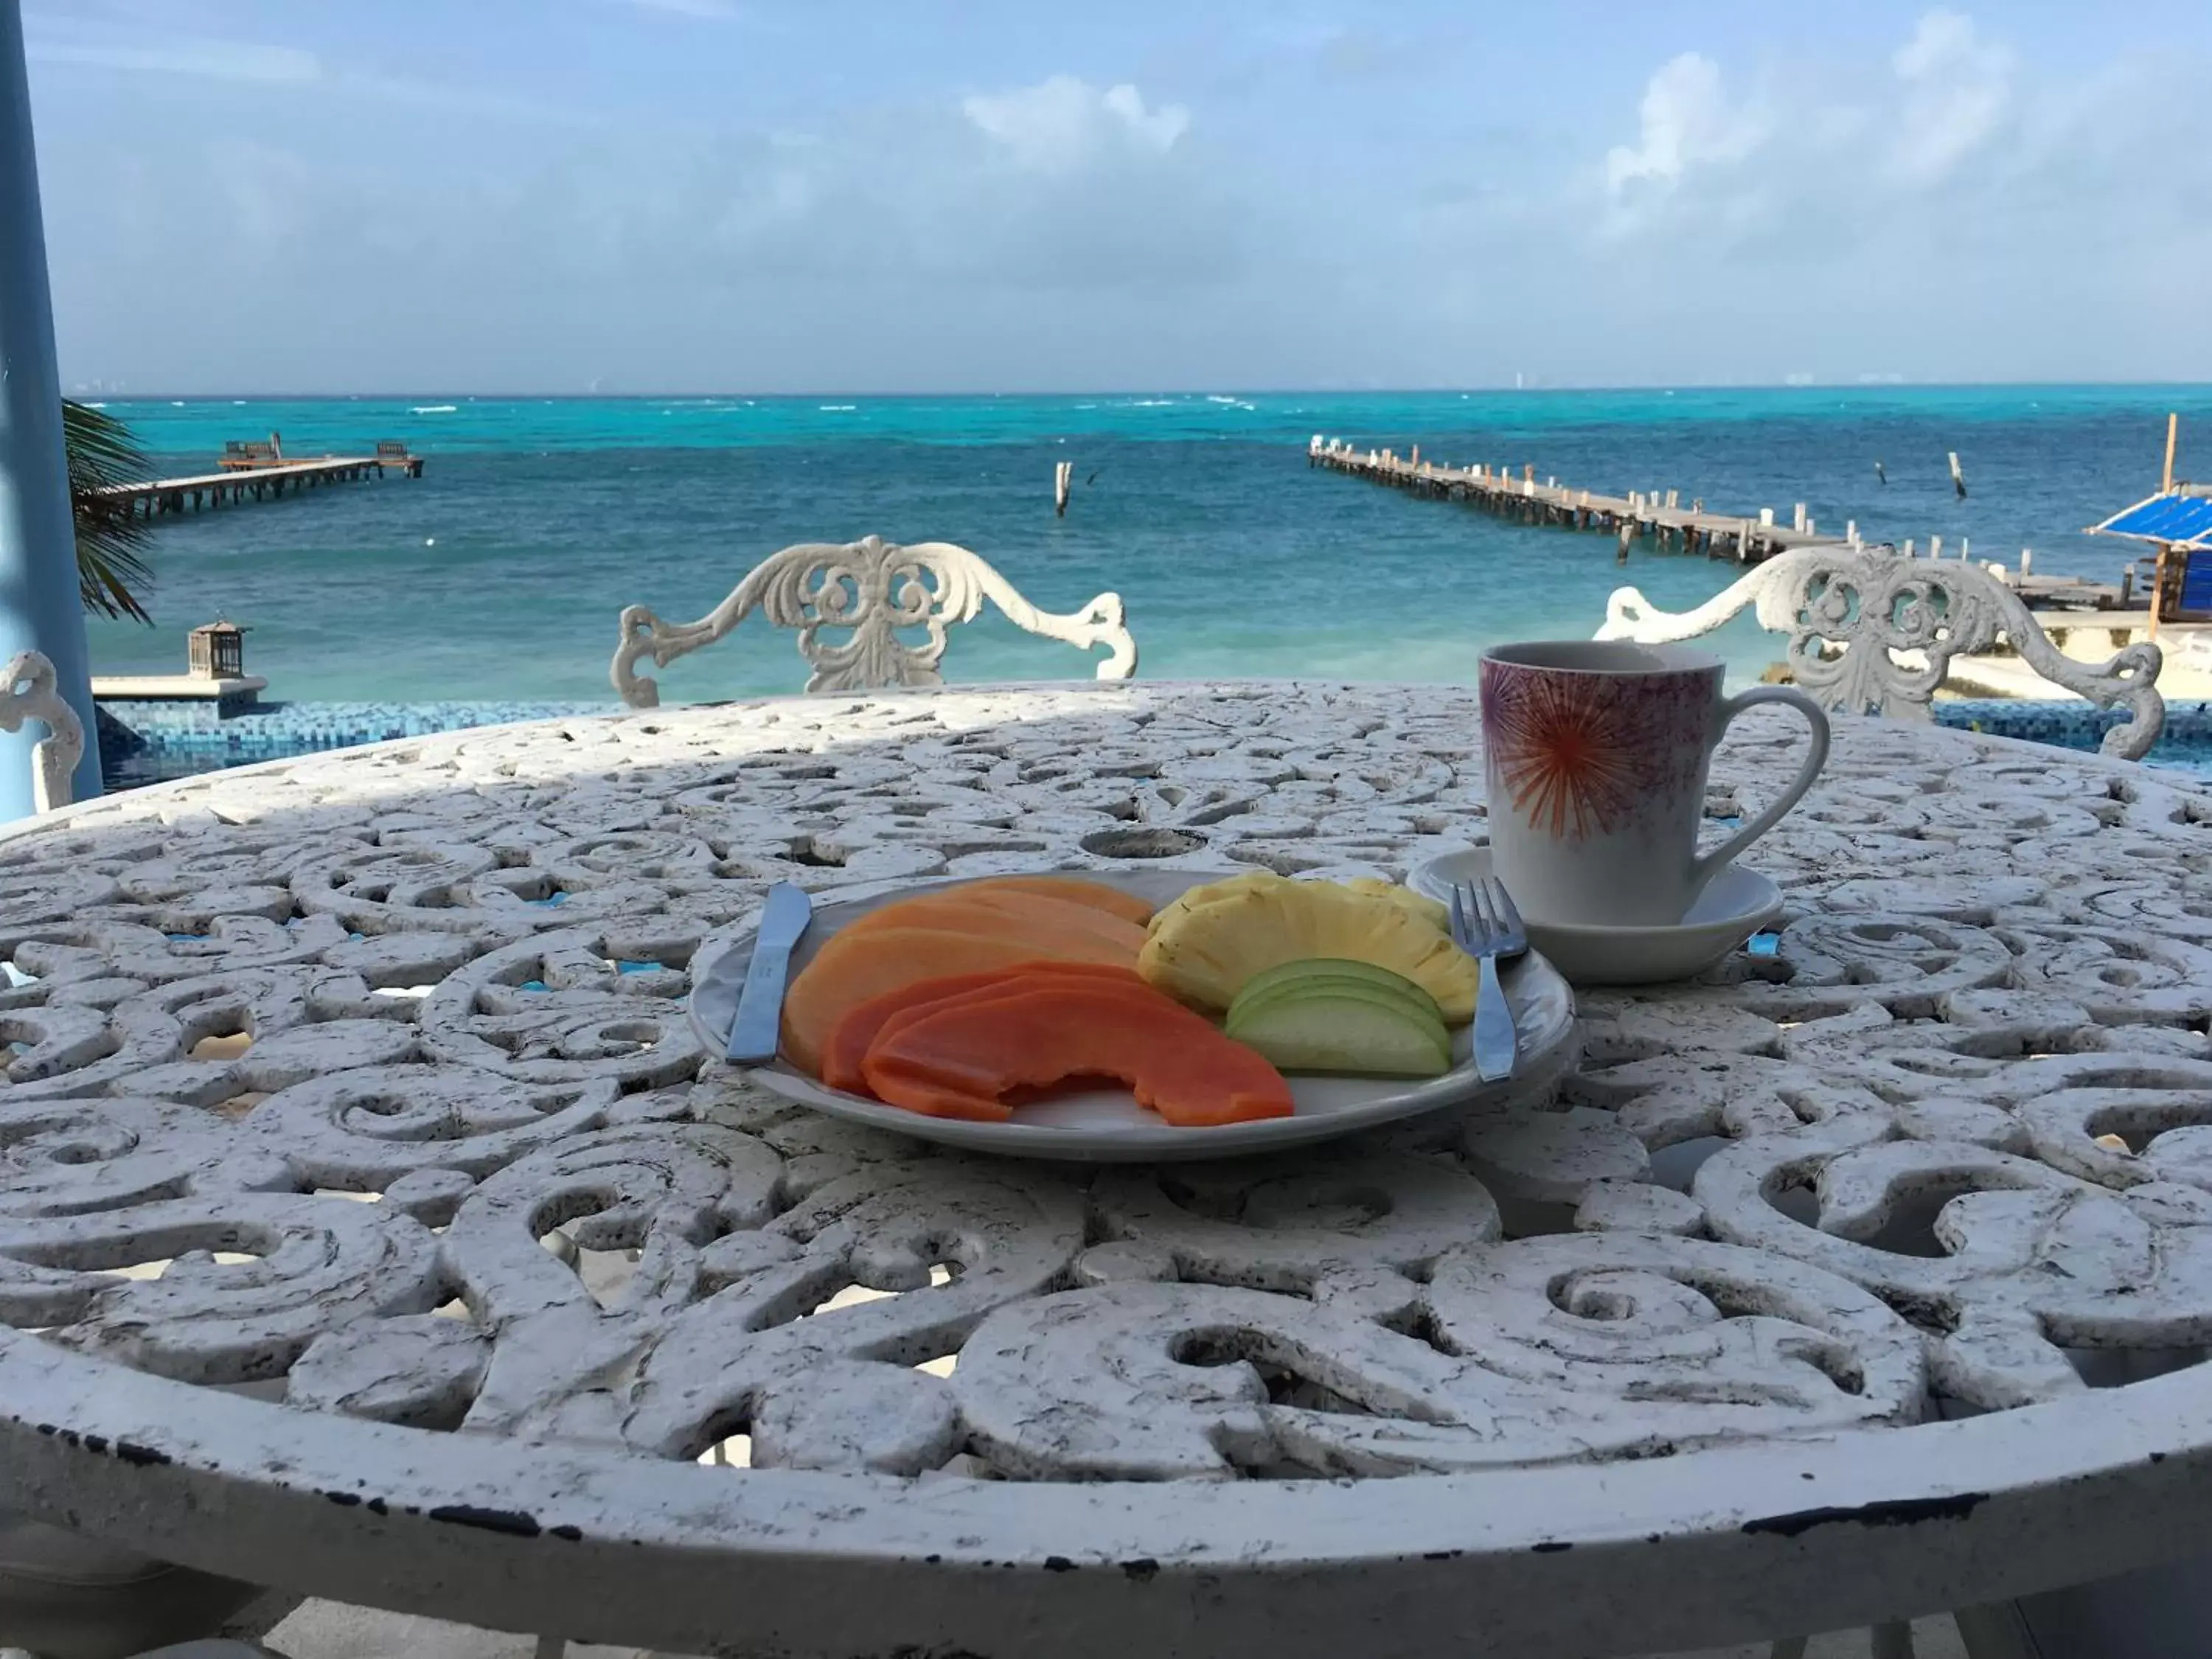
(1063, 479)
(1934, 547)
(2172, 433)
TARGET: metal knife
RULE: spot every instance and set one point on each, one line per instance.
(753, 1033)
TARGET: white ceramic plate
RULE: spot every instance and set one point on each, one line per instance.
(1735, 904)
(1107, 1125)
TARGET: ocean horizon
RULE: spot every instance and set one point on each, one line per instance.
(498, 575)
(99, 396)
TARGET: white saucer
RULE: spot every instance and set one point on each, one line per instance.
(1738, 903)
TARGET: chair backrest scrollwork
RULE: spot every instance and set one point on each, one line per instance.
(870, 589)
(30, 690)
(1873, 633)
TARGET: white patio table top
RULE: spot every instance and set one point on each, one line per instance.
(1802, 1298)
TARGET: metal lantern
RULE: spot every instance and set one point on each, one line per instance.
(218, 651)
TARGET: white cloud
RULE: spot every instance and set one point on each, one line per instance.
(104, 45)
(213, 60)
(1689, 120)
(1856, 141)
(265, 189)
(1956, 89)
(1063, 123)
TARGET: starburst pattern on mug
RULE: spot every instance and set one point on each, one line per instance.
(1571, 752)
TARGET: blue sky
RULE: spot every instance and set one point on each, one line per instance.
(883, 195)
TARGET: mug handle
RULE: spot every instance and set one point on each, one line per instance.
(1703, 869)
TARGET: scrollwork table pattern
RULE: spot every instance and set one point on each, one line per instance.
(1798, 1300)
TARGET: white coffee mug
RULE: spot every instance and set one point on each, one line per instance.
(1595, 754)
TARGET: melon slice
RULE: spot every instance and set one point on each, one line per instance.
(1214, 940)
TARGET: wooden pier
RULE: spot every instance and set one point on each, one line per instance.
(259, 483)
(1663, 519)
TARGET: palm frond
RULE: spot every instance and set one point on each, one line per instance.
(111, 543)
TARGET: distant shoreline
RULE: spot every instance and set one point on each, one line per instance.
(86, 392)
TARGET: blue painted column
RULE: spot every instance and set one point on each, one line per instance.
(40, 608)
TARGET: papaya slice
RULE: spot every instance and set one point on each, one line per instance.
(929, 1099)
(985, 1044)
(1004, 911)
(850, 1037)
(1071, 889)
(854, 967)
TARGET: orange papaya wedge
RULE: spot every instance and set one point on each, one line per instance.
(855, 966)
(1072, 890)
(842, 1062)
(1005, 912)
(988, 1044)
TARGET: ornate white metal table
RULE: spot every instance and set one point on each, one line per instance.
(1795, 1303)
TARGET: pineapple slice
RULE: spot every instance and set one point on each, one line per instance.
(1426, 909)
(1206, 946)
(1405, 897)
(1213, 892)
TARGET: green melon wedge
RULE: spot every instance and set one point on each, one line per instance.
(1290, 978)
(1344, 1027)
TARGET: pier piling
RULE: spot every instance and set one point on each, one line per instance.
(259, 483)
(1502, 492)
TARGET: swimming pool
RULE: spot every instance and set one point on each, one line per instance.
(2184, 746)
(143, 743)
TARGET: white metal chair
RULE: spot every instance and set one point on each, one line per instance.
(30, 690)
(874, 588)
(1851, 613)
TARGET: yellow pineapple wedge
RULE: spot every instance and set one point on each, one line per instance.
(1204, 947)
(1406, 898)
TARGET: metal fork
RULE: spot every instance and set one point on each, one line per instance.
(1486, 925)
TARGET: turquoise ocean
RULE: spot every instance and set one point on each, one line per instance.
(498, 574)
